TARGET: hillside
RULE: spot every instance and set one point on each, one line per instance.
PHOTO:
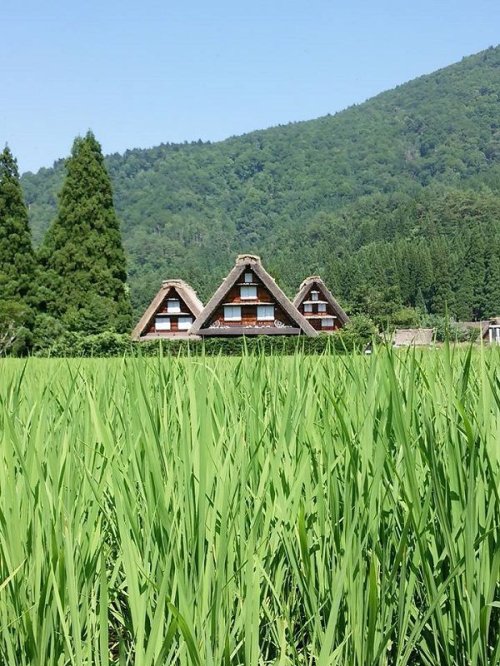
(321, 195)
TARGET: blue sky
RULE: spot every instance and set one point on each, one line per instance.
(142, 73)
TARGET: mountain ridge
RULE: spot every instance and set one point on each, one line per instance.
(187, 209)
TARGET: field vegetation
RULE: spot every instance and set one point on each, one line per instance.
(311, 510)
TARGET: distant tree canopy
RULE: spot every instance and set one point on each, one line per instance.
(437, 251)
(394, 202)
(83, 281)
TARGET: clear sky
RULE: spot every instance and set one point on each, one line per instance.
(142, 72)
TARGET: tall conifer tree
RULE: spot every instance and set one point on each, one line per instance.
(17, 262)
(85, 274)
(17, 259)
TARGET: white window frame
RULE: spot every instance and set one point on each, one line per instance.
(244, 295)
(265, 313)
(314, 295)
(494, 334)
(248, 277)
(166, 324)
(184, 323)
(232, 313)
(321, 307)
(173, 306)
(329, 319)
(308, 307)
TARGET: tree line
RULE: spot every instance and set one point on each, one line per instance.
(405, 259)
(397, 259)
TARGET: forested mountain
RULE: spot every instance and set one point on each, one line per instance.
(395, 202)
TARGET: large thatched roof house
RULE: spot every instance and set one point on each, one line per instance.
(249, 302)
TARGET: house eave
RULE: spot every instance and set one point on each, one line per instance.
(249, 330)
(184, 335)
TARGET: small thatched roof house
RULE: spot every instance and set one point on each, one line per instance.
(315, 301)
(249, 302)
(171, 313)
(408, 337)
(489, 329)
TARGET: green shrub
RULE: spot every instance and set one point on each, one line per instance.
(355, 336)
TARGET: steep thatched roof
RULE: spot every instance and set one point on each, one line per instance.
(406, 337)
(315, 280)
(184, 290)
(482, 326)
(253, 262)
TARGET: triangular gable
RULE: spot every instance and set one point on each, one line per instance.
(190, 306)
(314, 282)
(294, 323)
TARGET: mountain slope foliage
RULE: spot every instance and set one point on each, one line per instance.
(412, 175)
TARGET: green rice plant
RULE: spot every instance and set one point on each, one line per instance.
(254, 510)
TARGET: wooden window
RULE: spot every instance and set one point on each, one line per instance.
(308, 307)
(314, 295)
(232, 313)
(247, 293)
(321, 307)
(248, 277)
(162, 323)
(265, 313)
(327, 322)
(173, 305)
(185, 323)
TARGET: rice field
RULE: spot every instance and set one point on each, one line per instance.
(249, 511)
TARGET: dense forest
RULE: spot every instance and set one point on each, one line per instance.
(395, 202)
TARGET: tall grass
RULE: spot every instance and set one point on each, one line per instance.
(260, 510)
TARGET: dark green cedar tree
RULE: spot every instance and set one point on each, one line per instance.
(84, 281)
(17, 259)
(17, 262)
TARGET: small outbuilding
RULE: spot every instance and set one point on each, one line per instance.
(488, 329)
(413, 337)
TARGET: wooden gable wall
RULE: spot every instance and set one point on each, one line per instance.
(154, 329)
(249, 307)
(316, 317)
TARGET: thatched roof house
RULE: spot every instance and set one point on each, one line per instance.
(171, 313)
(316, 302)
(249, 302)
